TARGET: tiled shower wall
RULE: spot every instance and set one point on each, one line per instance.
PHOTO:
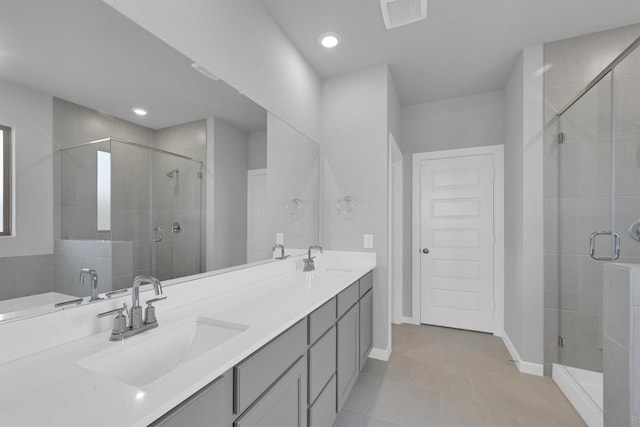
(577, 187)
(74, 125)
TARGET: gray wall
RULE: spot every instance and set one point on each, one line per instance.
(354, 162)
(26, 257)
(524, 211)
(258, 150)
(231, 161)
(26, 275)
(292, 161)
(513, 206)
(469, 121)
(28, 112)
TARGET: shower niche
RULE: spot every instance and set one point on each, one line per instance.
(127, 209)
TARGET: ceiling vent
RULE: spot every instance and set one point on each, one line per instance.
(397, 13)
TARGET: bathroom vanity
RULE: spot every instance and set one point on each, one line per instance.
(267, 345)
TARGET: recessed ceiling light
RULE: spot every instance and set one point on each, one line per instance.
(329, 40)
(139, 111)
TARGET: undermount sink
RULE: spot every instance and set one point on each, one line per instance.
(143, 359)
(333, 272)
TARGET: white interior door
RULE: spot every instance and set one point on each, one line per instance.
(456, 235)
(258, 247)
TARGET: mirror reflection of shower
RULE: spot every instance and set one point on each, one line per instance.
(175, 173)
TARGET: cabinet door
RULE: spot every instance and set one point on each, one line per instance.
(284, 404)
(348, 354)
(323, 412)
(211, 406)
(322, 363)
(366, 319)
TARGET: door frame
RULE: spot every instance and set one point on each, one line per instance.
(250, 198)
(497, 151)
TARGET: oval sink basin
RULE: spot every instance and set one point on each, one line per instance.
(145, 358)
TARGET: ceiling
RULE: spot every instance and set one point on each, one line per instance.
(85, 52)
(463, 47)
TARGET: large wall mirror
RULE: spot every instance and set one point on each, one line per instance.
(205, 181)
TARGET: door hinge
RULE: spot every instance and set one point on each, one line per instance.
(560, 341)
(561, 137)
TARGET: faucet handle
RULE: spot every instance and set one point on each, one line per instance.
(156, 299)
(119, 322)
(150, 311)
(118, 311)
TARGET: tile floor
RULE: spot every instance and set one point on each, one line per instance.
(448, 377)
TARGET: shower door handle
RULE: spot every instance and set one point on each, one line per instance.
(157, 234)
(592, 245)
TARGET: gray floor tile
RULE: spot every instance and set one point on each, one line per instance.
(347, 418)
(452, 378)
(361, 394)
(405, 404)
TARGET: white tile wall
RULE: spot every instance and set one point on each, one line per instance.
(621, 344)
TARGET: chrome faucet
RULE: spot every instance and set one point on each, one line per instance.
(136, 324)
(94, 282)
(308, 262)
(282, 255)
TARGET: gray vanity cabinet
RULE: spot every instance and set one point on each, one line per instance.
(283, 404)
(210, 407)
(366, 329)
(301, 378)
(348, 354)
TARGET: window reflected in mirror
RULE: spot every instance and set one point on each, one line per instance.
(5, 181)
(104, 191)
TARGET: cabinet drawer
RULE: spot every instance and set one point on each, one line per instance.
(323, 411)
(322, 363)
(210, 406)
(347, 298)
(366, 283)
(254, 375)
(321, 320)
(284, 403)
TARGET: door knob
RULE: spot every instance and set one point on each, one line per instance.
(425, 251)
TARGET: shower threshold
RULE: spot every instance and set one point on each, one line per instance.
(584, 389)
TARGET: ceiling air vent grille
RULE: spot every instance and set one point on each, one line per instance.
(397, 13)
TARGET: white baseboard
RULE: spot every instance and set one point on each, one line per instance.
(584, 405)
(410, 320)
(380, 354)
(524, 367)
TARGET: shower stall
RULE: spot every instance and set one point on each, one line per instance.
(133, 206)
(592, 214)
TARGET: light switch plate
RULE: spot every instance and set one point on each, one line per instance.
(368, 241)
(280, 238)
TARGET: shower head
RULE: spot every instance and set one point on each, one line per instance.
(171, 173)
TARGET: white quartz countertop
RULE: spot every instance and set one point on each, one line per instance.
(51, 388)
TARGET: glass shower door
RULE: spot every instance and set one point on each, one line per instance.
(626, 103)
(584, 240)
(175, 216)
